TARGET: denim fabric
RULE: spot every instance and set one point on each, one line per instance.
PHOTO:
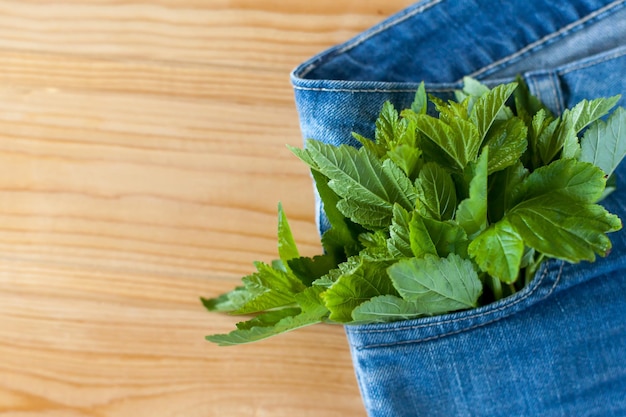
(557, 348)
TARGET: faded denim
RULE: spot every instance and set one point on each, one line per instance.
(557, 348)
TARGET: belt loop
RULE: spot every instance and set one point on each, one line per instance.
(546, 86)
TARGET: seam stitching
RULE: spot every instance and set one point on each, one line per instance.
(440, 336)
(359, 40)
(546, 40)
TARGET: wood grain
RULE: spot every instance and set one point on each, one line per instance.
(142, 157)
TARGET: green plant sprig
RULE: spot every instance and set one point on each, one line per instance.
(440, 214)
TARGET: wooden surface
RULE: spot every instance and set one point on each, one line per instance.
(142, 157)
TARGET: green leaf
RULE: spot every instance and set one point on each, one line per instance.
(435, 192)
(368, 279)
(459, 141)
(446, 236)
(406, 157)
(386, 125)
(604, 144)
(271, 323)
(420, 241)
(579, 181)
(587, 112)
(503, 194)
(368, 187)
(507, 143)
(285, 321)
(449, 283)
(399, 242)
(375, 246)
(527, 105)
(287, 248)
(487, 107)
(375, 148)
(472, 90)
(420, 102)
(564, 228)
(310, 269)
(498, 251)
(268, 319)
(230, 301)
(553, 137)
(387, 308)
(541, 125)
(270, 288)
(471, 214)
(450, 110)
(342, 236)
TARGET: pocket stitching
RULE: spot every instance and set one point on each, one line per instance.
(439, 336)
(476, 315)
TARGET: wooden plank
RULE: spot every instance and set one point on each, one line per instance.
(143, 156)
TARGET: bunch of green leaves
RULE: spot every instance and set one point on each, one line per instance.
(440, 213)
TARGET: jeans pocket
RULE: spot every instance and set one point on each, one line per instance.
(554, 349)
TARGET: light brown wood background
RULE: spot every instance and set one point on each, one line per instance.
(142, 157)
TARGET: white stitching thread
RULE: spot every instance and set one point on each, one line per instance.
(372, 90)
(439, 336)
(567, 69)
(442, 335)
(356, 42)
(545, 39)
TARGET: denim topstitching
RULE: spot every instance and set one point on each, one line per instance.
(549, 39)
(460, 319)
(581, 64)
(368, 35)
(531, 290)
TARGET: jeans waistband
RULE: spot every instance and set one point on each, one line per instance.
(441, 41)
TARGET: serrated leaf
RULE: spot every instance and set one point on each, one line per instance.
(420, 102)
(564, 228)
(435, 192)
(487, 107)
(342, 236)
(271, 288)
(386, 125)
(604, 144)
(472, 90)
(471, 214)
(498, 251)
(285, 322)
(368, 279)
(577, 180)
(399, 243)
(527, 105)
(375, 246)
(587, 112)
(368, 187)
(268, 319)
(309, 269)
(406, 157)
(459, 141)
(502, 193)
(447, 237)
(287, 248)
(450, 283)
(450, 111)
(230, 301)
(386, 308)
(507, 143)
(553, 137)
(420, 242)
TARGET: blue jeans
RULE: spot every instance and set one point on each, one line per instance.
(558, 347)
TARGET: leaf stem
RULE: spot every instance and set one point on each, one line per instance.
(496, 287)
(532, 268)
